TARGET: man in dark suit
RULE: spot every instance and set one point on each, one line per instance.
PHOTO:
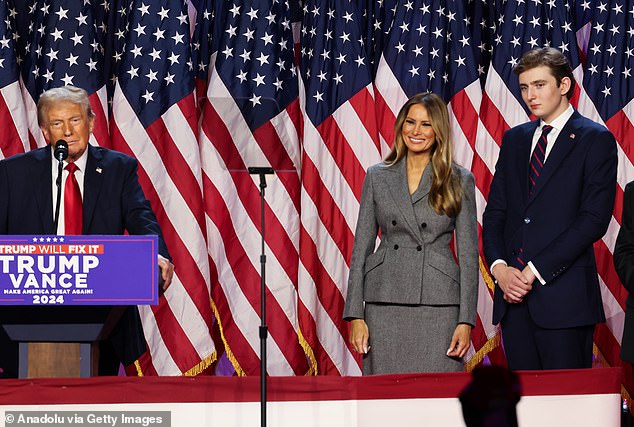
(551, 198)
(112, 202)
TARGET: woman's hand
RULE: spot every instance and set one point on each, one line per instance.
(460, 341)
(359, 336)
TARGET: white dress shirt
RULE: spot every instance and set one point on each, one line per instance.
(79, 176)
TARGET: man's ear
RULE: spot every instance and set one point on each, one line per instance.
(565, 84)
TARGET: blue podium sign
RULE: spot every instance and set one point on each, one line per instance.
(78, 270)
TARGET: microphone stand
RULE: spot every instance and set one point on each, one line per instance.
(58, 182)
(262, 172)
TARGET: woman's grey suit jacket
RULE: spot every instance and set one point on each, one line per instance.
(414, 263)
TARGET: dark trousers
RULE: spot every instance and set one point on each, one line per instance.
(531, 347)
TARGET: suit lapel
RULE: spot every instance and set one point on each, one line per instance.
(396, 179)
(523, 159)
(43, 187)
(563, 144)
(93, 181)
(423, 187)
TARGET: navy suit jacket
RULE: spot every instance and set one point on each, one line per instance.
(113, 202)
(569, 210)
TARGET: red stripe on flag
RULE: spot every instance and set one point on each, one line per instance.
(351, 170)
(466, 116)
(276, 235)
(248, 279)
(619, 124)
(492, 119)
(363, 103)
(100, 131)
(309, 331)
(327, 292)
(385, 118)
(605, 267)
(328, 211)
(176, 341)
(267, 138)
(10, 142)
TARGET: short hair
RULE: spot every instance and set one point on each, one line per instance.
(551, 58)
(71, 94)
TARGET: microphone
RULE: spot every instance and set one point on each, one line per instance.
(61, 154)
(61, 150)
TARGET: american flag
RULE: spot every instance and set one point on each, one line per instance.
(141, 52)
(197, 113)
(340, 143)
(12, 111)
(250, 117)
(154, 118)
(430, 48)
(606, 97)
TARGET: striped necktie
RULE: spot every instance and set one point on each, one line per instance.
(538, 158)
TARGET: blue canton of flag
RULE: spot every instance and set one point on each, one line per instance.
(255, 58)
(430, 48)
(378, 20)
(529, 25)
(156, 70)
(8, 66)
(205, 39)
(333, 62)
(482, 24)
(62, 47)
(608, 70)
(583, 12)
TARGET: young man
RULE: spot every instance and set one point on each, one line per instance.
(112, 202)
(551, 198)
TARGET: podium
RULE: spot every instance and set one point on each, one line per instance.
(59, 341)
(62, 295)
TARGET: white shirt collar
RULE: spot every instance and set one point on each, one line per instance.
(560, 121)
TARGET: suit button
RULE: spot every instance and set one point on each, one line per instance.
(395, 247)
(393, 222)
(419, 248)
(424, 225)
(527, 220)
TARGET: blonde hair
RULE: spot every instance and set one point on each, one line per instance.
(68, 93)
(445, 194)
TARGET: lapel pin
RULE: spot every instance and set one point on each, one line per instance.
(572, 136)
(99, 170)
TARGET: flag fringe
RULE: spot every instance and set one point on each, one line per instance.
(232, 358)
(202, 365)
(313, 370)
(196, 370)
(478, 357)
(139, 371)
(486, 276)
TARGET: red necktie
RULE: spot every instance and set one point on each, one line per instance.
(73, 210)
(537, 158)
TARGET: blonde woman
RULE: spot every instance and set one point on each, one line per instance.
(410, 304)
